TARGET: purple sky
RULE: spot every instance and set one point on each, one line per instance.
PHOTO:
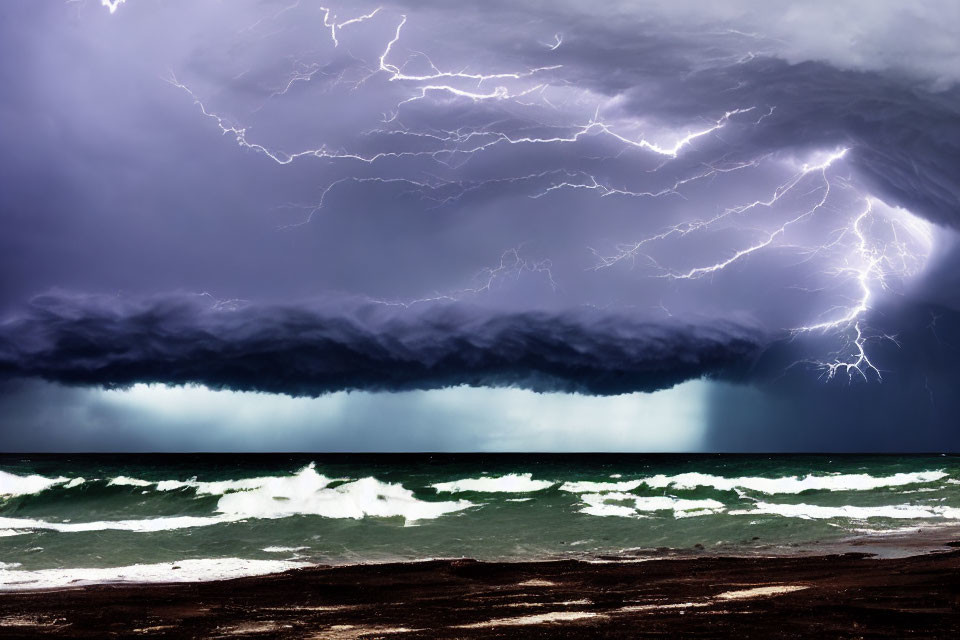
(255, 196)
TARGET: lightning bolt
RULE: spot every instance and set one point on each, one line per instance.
(330, 22)
(898, 249)
(876, 248)
(112, 5)
(512, 266)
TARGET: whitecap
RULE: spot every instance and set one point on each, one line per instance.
(793, 484)
(781, 485)
(18, 526)
(598, 504)
(511, 483)
(585, 486)
(307, 493)
(221, 487)
(14, 485)
(124, 481)
(817, 512)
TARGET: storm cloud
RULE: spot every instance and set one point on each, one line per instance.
(296, 351)
(277, 197)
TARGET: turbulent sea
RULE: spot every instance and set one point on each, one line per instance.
(76, 519)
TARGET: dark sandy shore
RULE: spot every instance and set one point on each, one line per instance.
(828, 596)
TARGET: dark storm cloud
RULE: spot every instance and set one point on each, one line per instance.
(298, 351)
(904, 138)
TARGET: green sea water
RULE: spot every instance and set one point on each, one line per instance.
(91, 518)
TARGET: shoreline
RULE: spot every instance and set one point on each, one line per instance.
(826, 595)
(893, 544)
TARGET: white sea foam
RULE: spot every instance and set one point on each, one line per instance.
(221, 487)
(17, 526)
(597, 507)
(794, 484)
(585, 486)
(200, 570)
(512, 483)
(817, 512)
(201, 488)
(598, 504)
(784, 484)
(14, 485)
(307, 493)
(124, 481)
(284, 549)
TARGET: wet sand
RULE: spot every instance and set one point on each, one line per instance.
(828, 596)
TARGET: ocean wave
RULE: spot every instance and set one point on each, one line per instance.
(19, 526)
(197, 570)
(14, 485)
(305, 493)
(585, 486)
(124, 481)
(770, 486)
(511, 483)
(817, 512)
(598, 504)
(219, 487)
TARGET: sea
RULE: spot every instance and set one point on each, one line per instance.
(81, 519)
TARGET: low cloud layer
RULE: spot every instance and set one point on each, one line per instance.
(299, 352)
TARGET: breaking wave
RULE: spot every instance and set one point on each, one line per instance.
(851, 512)
(14, 485)
(598, 504)
(60, 521)
(304, 493)
(310, 493)
(511, 483)
(307, 493)
(770, 486)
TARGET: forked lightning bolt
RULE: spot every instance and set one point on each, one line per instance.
(873, 249)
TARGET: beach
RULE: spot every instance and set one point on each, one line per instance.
(478, 546)
(849, 595)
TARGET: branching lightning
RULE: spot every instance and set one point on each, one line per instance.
(330, 22)
(868, 250)
(112, 5)
(886, 246)
(512, 265)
